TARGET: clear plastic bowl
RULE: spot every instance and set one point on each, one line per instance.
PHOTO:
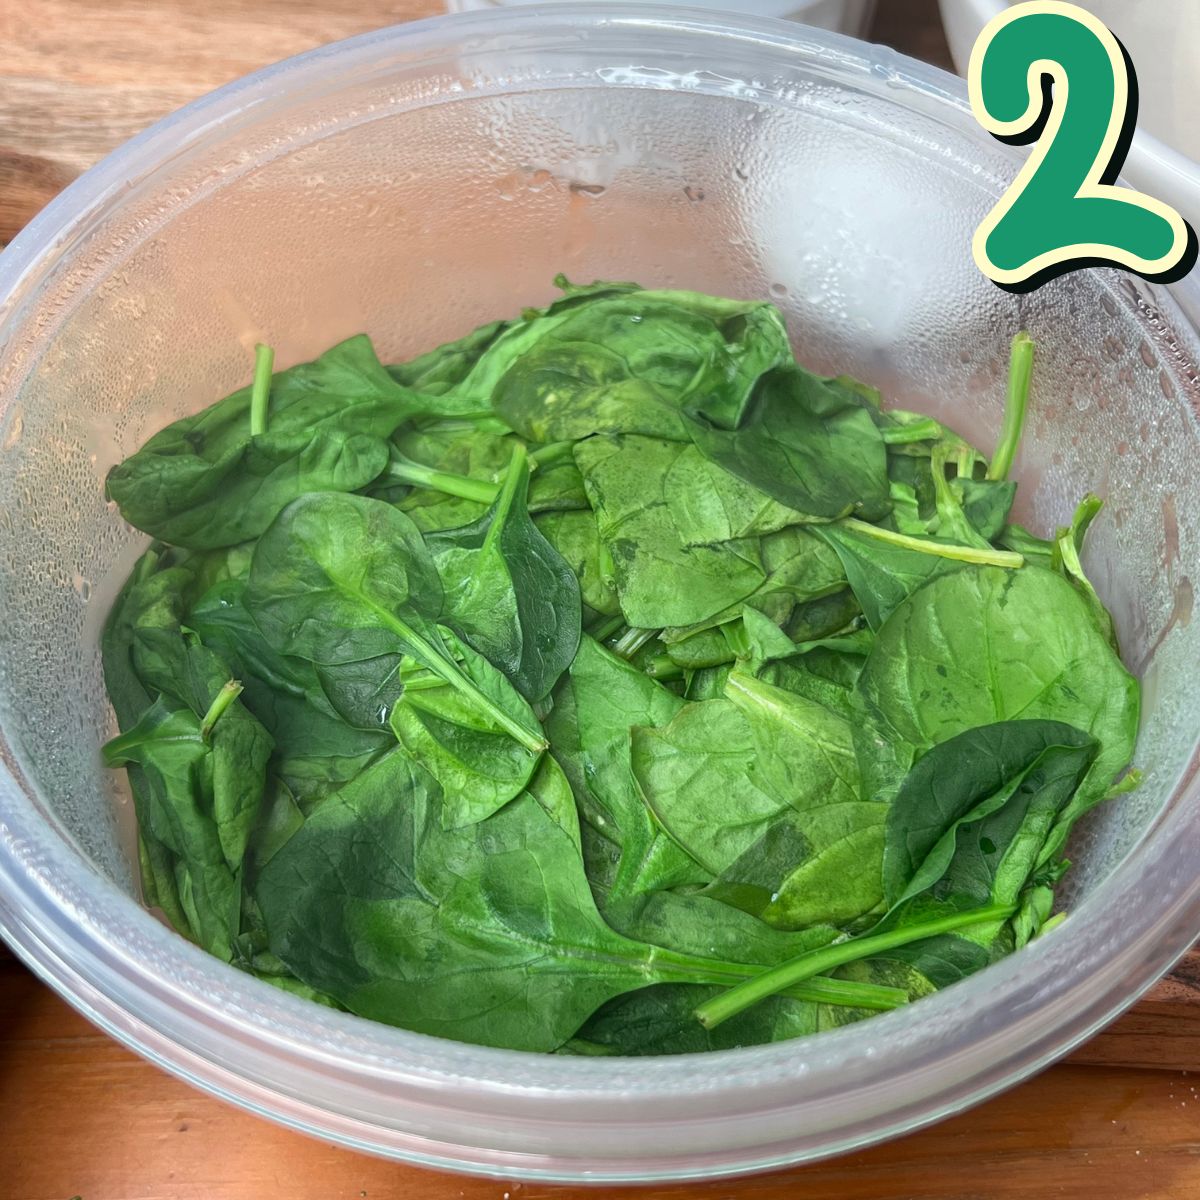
(418, 181)
(846, 16)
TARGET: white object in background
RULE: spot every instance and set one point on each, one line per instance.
(842, 16)
(1163, 38)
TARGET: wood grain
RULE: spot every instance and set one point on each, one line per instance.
(80, 1116)
(79, 77)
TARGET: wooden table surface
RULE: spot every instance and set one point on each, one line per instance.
(82, 1117)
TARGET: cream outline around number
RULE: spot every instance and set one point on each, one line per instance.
(1091, 187)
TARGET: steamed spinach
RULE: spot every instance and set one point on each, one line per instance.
(210, 480)
(508, 592)
(604, 682)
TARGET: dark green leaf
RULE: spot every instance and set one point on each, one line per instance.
(808, 442)
(205, 481)
(339, 579)
(508, 592)
(983, 645)
(662, 579)
(479, 766)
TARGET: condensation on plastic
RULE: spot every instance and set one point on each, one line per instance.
(419, 181)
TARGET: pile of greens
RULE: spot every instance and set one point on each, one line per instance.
(603, 683)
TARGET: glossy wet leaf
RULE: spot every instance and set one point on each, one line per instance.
(807, 441)
(983, 645)
(205, 481)
(340, 579)
(661, 578)
(508, 593)
(479, 765)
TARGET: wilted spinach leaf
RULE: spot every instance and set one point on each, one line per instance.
(479, 765)
(983, 645)
(207, 481)
(508, 592)
(808, 442)
(618, 360)
(339, 579)
(662, 577)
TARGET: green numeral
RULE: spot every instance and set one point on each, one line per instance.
(1052, 73)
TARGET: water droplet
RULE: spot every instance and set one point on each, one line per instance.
(694, 194)
(778, 291)
(15, 429)
(587, 189)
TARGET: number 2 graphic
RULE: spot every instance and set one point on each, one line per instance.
(1052, 73)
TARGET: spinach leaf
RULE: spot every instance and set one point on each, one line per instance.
(820, 862)
(661, 578)
(126, 691)
(986, 504)
(172, 666)
(661, 1020)
(698, 776)
(479, 766)
(161, 883)
(338, 579)
(508, 593)
(799, 569)
(437, 371)
(182, 845)
(984, 645)
(885, 568)
(808, 442)
(336, 710)
(487, 933)
(822, 673)
(970, 819)
(577, 539)
(595, 706)
(710, 505)
(207, 481)
(618, 360)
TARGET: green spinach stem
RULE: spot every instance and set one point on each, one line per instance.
(1020, 375)
(503, 502)
(403, 470)
(971, 554)
(670, 966)
(663, 669)
(225, 697)
(260, 389)
(927, 430)
(606, 628)
(631, 641)
(441, 664)
(720, 1008)
(550, 453)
